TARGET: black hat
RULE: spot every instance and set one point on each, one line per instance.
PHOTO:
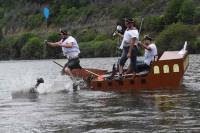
(63, 31)
(147, 37)
(129, 20)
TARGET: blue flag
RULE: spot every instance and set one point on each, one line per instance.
(46, 12)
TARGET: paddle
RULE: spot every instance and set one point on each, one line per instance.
(82, 68)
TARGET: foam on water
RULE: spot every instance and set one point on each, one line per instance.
(28, 80)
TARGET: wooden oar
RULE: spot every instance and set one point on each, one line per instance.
(82, 68)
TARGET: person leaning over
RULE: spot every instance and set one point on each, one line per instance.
(129, 46)
(149, 54)
(70, 50)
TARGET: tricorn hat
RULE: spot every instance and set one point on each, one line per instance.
(129, 20)
(147, 37)
(63, 31)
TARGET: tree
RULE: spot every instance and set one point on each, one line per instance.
(32, 49)
(172, 10)
(1, 34)
(174, 36)
(187, 11)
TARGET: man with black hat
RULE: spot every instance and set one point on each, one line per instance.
(129, 46)
(70, 49)
(149, 55)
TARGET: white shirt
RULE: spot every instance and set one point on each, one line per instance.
(73, 51)
(150, 54)
(128, 35)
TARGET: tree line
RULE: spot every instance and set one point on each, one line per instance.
(179, 22)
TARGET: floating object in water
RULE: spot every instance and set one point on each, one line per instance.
(31, 93)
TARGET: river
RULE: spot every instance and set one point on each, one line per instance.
(86, 111)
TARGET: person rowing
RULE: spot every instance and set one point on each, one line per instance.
(149, 54)
(70, 50)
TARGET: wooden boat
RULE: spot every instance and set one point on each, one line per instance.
(165, 73)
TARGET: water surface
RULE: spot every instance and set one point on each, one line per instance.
(93, 111)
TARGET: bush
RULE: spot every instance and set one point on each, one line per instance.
(4, 50)
(197, 16)
(33, 49)
(87, 35)
(194, 48)
(53, 52)
(174, 36)
(101, 37)
(187, 11)
(104, 48)
(122, 11)
(172, 10)
(35, 21)
(153, 23)
(13, 45)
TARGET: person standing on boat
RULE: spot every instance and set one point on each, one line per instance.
(149, 54)
(70, 50)
(129, 46)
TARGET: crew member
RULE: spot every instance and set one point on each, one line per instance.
(129, 46)
(70, 50)
(149, 55)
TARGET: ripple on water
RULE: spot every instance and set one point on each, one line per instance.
(94, 111)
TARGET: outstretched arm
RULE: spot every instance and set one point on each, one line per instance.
(146, 47)
(54, 44)
(120, 35)
(60, 44)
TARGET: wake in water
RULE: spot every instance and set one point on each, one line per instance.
(31, 93)
(59, 85)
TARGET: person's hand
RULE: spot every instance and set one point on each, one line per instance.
(59, 44)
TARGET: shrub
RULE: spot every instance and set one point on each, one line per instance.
(194, 48)
(172, 10)
(174, 36)
(87, 35)
(101, 37)
(197, 16)
(187, 11)
(98, 48)
(4, 50)
(122, 11)
(154, 23)
(53, 52)
(33, 49)
(34, 21)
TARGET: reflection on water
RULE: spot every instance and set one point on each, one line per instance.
(93, 111)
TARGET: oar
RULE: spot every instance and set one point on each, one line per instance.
(83, 69)
(58, 64)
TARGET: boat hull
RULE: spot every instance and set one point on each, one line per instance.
(164, 74)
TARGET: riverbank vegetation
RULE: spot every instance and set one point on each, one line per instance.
(23, 27)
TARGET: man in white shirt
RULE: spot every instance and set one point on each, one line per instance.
(129, 46)
(70, 50)
(149, 55)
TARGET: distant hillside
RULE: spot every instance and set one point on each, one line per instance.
(20, 15)
(92, 22)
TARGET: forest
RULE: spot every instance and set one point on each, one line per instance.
(23, 28)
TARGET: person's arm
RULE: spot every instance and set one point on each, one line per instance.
(66, 45)
(132, 44)
(146, 47)
(120, 35)
(54, 44)
(57, 44)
